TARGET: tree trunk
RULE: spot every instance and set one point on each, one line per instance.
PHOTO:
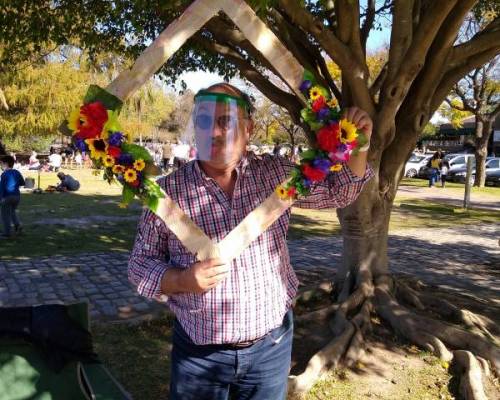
(365, 227)
(482, 135)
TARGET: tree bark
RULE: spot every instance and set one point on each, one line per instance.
(365, 227)
(482, 135)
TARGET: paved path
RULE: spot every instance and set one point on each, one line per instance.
(466, 258)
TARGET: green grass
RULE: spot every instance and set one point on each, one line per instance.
(139, 357)
(90, 220)
(455, 188)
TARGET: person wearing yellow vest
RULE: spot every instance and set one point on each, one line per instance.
(435, 163)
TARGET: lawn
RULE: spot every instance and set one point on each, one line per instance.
(91, 221)
(453, 187)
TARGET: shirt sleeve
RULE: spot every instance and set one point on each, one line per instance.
(338, 190)
(150, 257)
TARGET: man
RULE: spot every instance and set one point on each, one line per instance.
(67, 184)
(55, 161)
(234, 325)
(10, 181)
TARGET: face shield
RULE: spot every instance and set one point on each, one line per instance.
(218, 127)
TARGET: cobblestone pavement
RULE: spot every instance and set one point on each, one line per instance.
(465, 258)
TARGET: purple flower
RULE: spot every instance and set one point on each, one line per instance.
(115, 139)
(307, 183)
(120, 178)
(322, 164)
(81, 145)
(324, 113)
(305, 86)
(125, 159)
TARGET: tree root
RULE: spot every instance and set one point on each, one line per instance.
(326, 358)
(445, 309)
(348, 344)
(471, 384)
(423, 330)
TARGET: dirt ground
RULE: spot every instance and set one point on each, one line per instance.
(391, 368)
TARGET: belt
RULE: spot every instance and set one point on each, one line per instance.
(243, 345)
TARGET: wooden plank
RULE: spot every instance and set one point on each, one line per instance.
(164, 46)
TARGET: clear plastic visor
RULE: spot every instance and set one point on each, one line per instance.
(217, 128)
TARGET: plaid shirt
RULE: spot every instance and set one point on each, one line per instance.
(261, 285)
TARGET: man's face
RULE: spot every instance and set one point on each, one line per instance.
(222, 132)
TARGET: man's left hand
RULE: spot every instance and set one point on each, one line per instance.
(361, 119)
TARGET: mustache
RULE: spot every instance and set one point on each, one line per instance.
(218, 141)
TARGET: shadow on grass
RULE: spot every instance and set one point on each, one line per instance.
(70, 223)
(138, 356)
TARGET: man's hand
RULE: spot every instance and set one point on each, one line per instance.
(361, 119)
(198, 278)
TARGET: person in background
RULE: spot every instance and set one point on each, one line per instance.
(55, 161)
(68, 183)
(434, 165)
(79, 160)
(445, 167)
(10, 196)
(33, 163)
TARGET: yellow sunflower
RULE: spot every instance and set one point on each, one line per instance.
(282, 192)
(130, 175)
(108, 161)
(333, 102)
(118, 169)
(348, 131)
(315, 92)
(98, 148)
(76, 120)
(336, 167)
(112, 125)
(139, 164)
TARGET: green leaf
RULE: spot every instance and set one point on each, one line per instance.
(308, 76)
(136, 151)
(152, 203)
(307, 115)
(128, 194)
(96, 93)
(308, 154)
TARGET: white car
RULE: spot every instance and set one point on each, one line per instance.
(414, 164)
(458, 161)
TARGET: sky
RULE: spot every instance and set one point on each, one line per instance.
(199, 80)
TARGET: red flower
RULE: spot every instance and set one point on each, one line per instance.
(312, 173)
(292, 192)
(114, 151)
(328, 137)
(135, 183)
(96, 116)
(318, 104)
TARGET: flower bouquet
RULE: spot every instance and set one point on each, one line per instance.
(95, 129)
(336, 139)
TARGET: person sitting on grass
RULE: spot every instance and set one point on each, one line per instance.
(10, 181)
(68, 183)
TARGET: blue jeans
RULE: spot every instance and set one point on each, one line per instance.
(8, 206)
(221, 372)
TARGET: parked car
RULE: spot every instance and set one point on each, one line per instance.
(458, 174)
(493, 178)
(456, 162)
(414, 164)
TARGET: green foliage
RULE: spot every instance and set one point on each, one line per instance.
(41, 96)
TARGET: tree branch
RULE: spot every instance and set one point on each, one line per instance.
(455, 74)
(379, 81)
(368, 23)
(272, 92)
(355, 75)
(488, 38)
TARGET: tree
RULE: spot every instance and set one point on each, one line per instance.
(478, 94)
(274, 125)
(40, 96)
(424, 62)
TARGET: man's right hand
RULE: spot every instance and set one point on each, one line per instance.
(198, 278)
